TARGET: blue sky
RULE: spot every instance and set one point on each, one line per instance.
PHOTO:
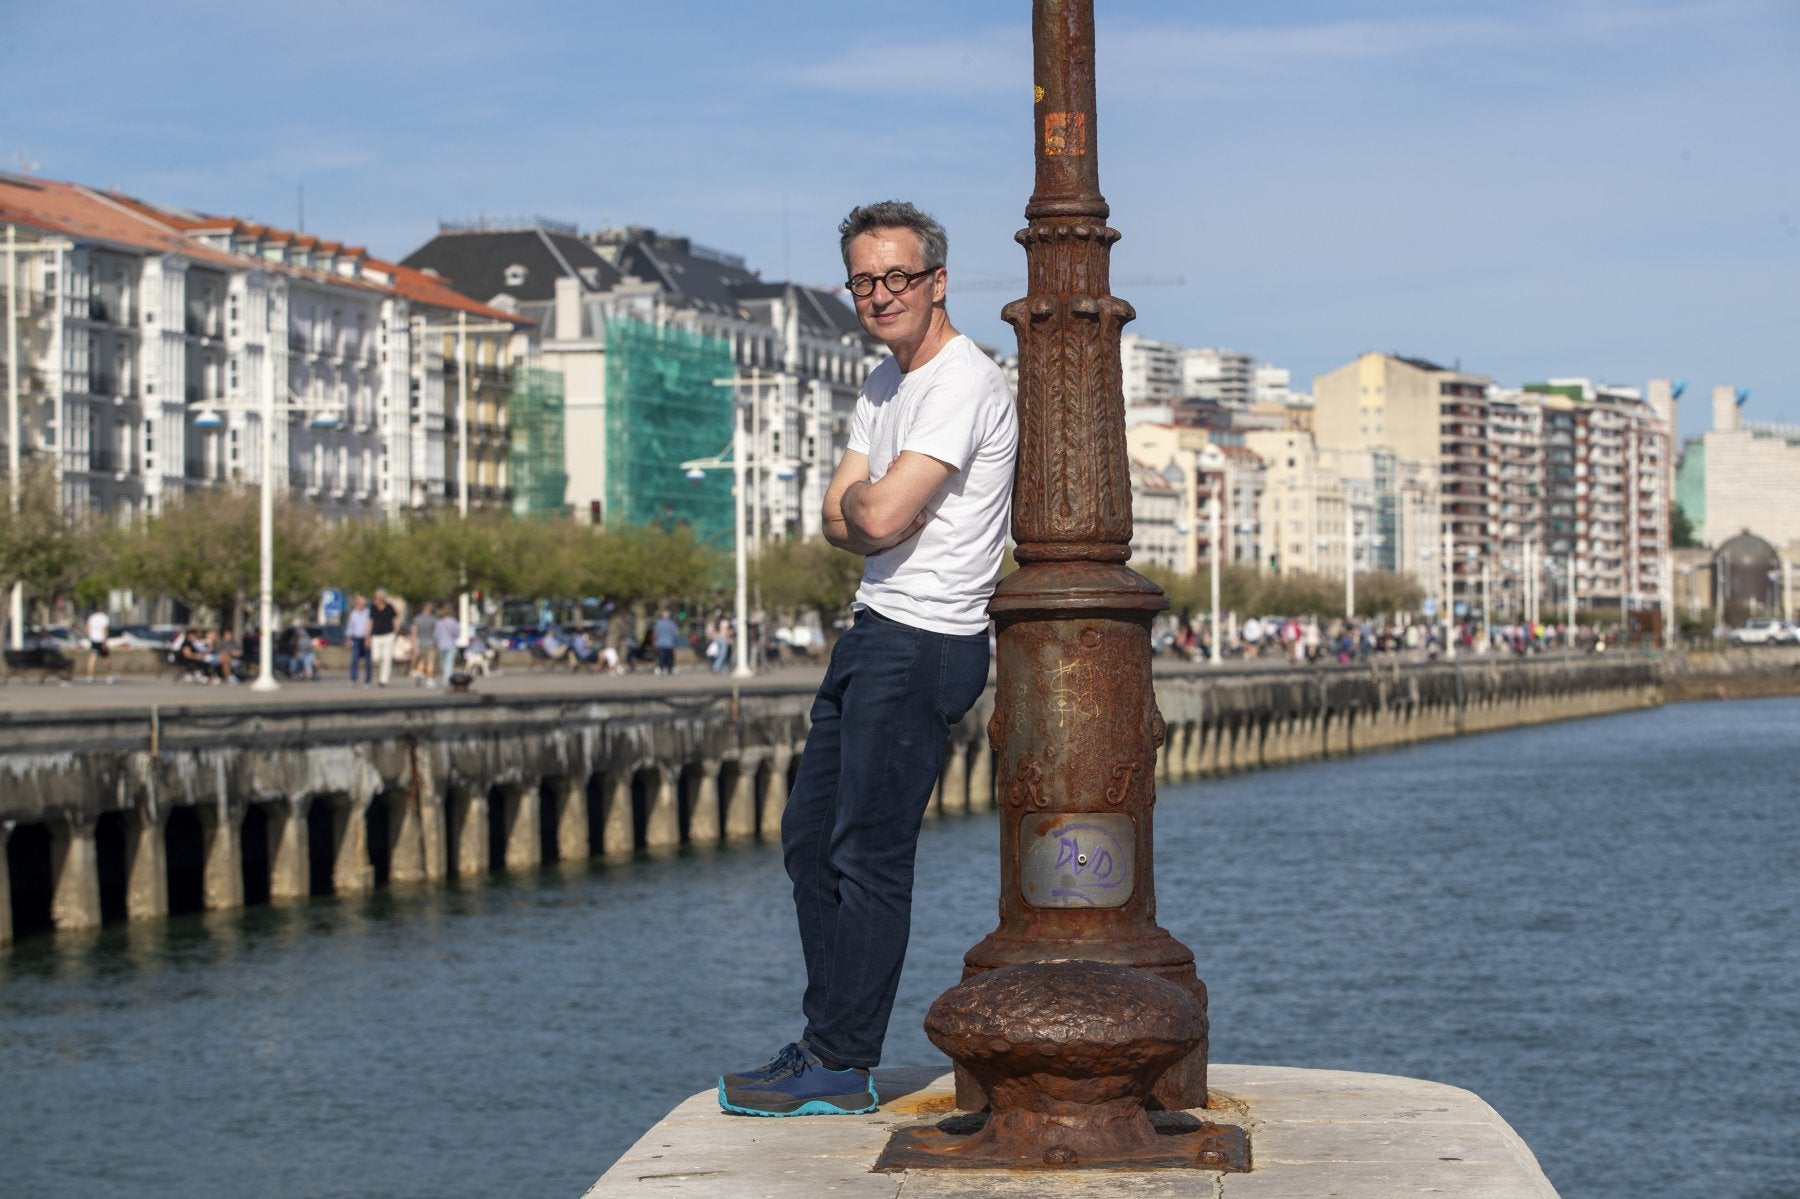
(1607, 188)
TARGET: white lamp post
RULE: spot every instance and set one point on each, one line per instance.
(1449, 598)
(1212, 459)
(322, 418)
(739, 462)
(462, 329)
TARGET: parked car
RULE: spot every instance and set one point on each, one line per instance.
(141, 636)
(1763, 630)
(59, 636)
(325, 634)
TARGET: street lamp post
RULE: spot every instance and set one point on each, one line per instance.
(463, 328)
(1449, 598)
(1212, 459)
(741, 668)
(322, 418)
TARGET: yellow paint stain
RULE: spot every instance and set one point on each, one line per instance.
(924, 1103)
(1040, 94)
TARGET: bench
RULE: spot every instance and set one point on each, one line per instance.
(47, 660)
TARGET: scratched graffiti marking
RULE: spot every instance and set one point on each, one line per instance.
(1070, 695)
(1076, 861)
(1028, 785)
(1122, 775)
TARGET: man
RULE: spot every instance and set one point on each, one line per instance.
(357, 628)
(424, 631)
(922, 492)
(99, 628)
(445, 633)
(383, 621)
(665, 634)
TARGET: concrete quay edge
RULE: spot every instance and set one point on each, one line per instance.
(1313, 1133)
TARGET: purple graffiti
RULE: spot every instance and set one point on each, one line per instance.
(1094, 860)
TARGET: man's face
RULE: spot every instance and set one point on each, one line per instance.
(895, 320)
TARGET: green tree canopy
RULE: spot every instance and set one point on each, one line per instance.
(48, 550)
(806, 576)
(204, 549)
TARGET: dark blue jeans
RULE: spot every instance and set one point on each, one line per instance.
(851, 827)
(359, 652)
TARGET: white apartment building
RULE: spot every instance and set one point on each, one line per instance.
(1160, 523)
(170, 331)
(1150, 370)
(1223, 376)
(1621, 491)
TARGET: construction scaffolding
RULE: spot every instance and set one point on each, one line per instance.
(663, 408)
(534, 460)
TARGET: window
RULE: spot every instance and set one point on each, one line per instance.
(515, 275)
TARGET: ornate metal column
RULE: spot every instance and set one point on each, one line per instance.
(1079, 1010)
(1075, 728)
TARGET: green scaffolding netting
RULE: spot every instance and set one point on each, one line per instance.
(664, 407)
(534, 460)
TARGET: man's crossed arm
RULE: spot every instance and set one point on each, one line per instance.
(866, 518)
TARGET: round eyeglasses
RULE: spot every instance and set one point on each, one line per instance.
(896, 281)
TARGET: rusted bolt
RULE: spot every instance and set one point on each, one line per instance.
(1060, 1155)
(1212, 1157)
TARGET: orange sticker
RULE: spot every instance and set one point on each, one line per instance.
(1065, 134)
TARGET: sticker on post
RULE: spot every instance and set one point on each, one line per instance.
(1065, 134)
(1076, 859)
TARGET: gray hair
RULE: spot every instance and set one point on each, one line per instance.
(895, 214)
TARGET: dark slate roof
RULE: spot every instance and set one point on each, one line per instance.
(1421, 364)
(475, 263)
(699, 280)
(821, 313)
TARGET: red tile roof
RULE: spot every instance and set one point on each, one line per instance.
(112, 217)
(75, 211)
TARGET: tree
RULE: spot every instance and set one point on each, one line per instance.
(204, 550)
(806, 576)
(47, 550)
(1681, 529)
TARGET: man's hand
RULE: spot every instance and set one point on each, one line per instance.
(866, 518)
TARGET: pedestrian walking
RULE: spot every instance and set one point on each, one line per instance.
(384, 622)
(99, 628)
(356, 633)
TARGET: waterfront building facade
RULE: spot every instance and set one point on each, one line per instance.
(1160, 523)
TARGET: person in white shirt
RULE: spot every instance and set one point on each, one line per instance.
(99, 628)
(923, 492)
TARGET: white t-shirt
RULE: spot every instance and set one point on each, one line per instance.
(98, 626)
(958, 409)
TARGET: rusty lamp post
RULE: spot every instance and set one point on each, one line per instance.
(1079, 1010)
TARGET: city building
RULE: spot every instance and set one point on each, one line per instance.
(1149, 370)
(1435, 421)
(657, 341)
(1621, 500)
(1750, 476)
(1160, 523)
(161, 333)
(1222, 376)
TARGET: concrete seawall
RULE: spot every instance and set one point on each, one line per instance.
(132, 815)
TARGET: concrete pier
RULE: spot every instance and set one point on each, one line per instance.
(204, 811)
(1313, 1133)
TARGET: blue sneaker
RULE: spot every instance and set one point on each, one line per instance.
(797, 1083)
(782, 1063)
